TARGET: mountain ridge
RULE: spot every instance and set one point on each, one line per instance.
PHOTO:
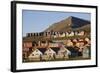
(67, 24)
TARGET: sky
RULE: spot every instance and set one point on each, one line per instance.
(38, 21)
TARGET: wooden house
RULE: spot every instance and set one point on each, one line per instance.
(81, 33)
(62, 34)
(27, 44)
(63, 53)
(71, 33)
(69, 43)
(50, 54)
(35, 55)
(66, 34)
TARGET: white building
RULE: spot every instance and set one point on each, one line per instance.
(81, 33)
(35, 55)
(62, 34)
(71, 33)
(53, 44)
(69, 43)
(50, 53)
(85, 52)
(67, 34)
(55, 35)
(64, 53)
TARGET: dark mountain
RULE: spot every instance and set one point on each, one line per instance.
(77, 22)
(71, 23)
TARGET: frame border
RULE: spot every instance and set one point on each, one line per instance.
(13, 35)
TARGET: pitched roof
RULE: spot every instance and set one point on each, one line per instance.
(49, 50)
(42, 50)
(56, 49)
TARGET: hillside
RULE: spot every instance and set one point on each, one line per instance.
(71, 23)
